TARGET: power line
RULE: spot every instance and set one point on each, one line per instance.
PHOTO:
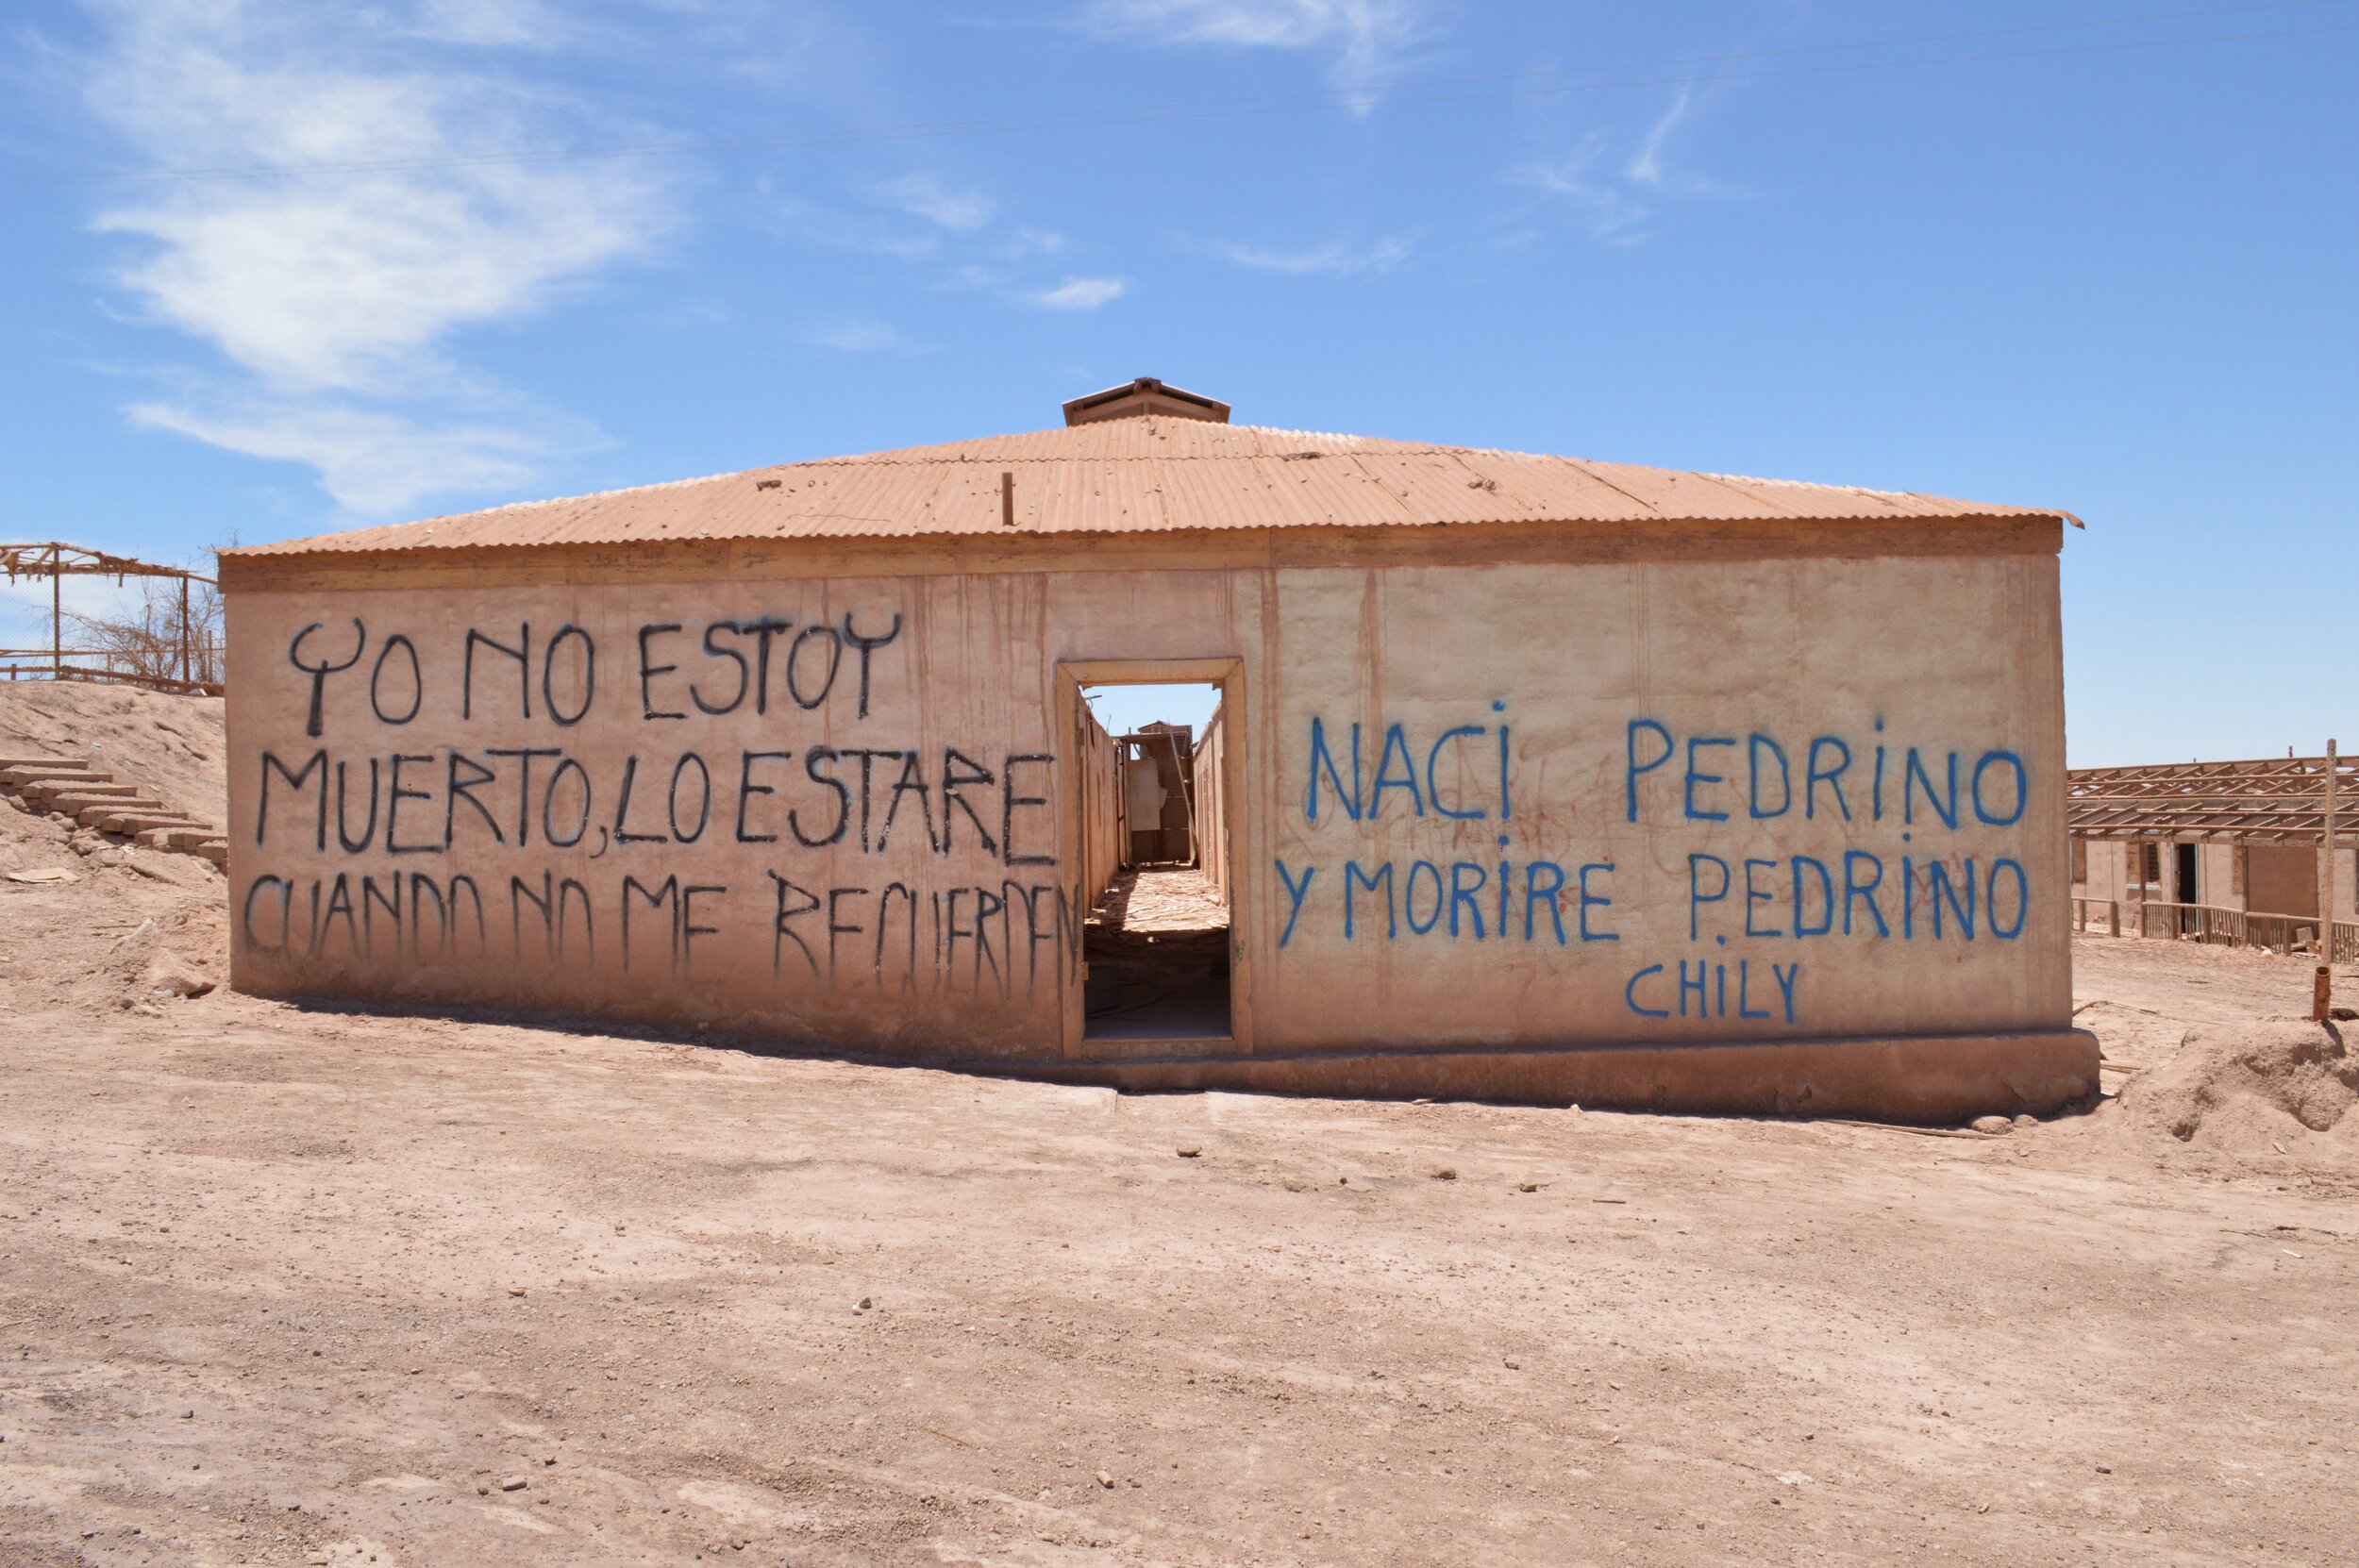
(1387, 95)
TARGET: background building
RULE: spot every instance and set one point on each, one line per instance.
(2211, 839)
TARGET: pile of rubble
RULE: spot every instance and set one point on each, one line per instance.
(89, 794)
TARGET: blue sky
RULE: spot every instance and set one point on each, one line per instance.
(2085, 273)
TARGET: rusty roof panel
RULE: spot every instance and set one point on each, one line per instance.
(1144, 474)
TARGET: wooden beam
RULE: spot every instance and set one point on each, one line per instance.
(2327, 908)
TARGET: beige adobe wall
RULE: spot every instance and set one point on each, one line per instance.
(1212, 801)
(2275, 880)
(2108, 879)
(1581, 811)
(1105, 832)
(862, 849)
(2216, 875)
(2282, 879)
(2345, 864)
(1708, 676)
(2115, 880)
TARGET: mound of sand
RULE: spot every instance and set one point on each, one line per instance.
(2283, 1085)
(173, 746)
(84, 917)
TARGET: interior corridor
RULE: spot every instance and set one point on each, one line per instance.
(1157, 945)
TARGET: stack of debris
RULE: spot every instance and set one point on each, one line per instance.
(90, 796)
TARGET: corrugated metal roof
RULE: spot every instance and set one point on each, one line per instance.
(1129, 475)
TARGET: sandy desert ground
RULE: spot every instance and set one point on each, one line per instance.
(287, 1285)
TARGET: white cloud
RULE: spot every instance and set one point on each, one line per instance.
(1612, 213)
(351, 283)
(956, 214)
(854, 231)
(1080, 293)
(1619, 205)
(970, 277)
(962, 237)
(1647, 167)
(864, 336)
(512, 23)
(923, 196)
(330, 288)
(1336, 258)
(372, 461)
(1366, 40)
(1033, 241)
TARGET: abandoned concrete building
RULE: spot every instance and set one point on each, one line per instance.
(2229, 852)
(1532, 779)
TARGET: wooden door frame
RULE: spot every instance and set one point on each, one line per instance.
(1228, 674)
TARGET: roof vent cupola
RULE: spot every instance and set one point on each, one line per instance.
(1144, 396)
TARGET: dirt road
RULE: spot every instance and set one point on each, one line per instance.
(281, 1286)
(284, 1286)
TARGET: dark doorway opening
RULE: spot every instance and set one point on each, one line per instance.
(2186, 893)
(1156, 944)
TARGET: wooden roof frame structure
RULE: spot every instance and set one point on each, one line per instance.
(2274, 800)
(57, 561)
